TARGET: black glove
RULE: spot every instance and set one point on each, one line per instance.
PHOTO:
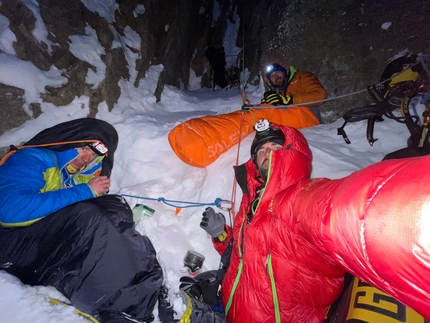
(274, 98)
(213, 223)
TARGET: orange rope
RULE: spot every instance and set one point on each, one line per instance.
(58, 143)
(5, 157)
(10, 153)
(233, 192)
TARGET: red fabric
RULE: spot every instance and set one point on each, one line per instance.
(379, 229)
(371, 223)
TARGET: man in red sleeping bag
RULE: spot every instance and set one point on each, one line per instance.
(294, 237)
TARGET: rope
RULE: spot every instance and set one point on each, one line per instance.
(307, 103)
(233, 191)
(245, 103)
(217, 202)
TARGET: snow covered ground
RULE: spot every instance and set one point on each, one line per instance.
(146, 166)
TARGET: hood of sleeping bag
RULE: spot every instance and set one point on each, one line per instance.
(64, 134)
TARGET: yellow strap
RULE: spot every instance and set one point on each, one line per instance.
(186, 317)
(86, 316)
(222, 236)
(19, 224)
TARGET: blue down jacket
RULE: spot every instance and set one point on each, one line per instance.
(33, 184)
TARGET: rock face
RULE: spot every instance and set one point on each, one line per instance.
(11, 100)
(345, 43)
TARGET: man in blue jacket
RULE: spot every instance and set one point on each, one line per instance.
(36, 182)
(59, 228)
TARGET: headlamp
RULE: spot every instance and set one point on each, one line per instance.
(269, 68)
(262, 125)
(264, 132)
(99, 148)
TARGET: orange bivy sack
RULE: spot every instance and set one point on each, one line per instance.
(200, 141)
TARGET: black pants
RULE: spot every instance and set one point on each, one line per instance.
(90, 252)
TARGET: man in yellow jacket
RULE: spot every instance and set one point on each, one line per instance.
(293, 87)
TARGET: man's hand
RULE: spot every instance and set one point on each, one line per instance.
(213, 223)
(274, 98)
(100, 184)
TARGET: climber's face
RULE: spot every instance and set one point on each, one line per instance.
(277, 78)
(84, 158)
(262, 157)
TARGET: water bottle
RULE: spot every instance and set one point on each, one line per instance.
(141, 210)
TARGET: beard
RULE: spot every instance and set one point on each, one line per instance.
(279, 83)
(263, 173)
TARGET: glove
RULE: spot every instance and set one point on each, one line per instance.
(213, 223)
(274, 98)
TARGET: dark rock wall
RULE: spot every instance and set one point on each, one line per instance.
(341, 41)
(185, 39)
